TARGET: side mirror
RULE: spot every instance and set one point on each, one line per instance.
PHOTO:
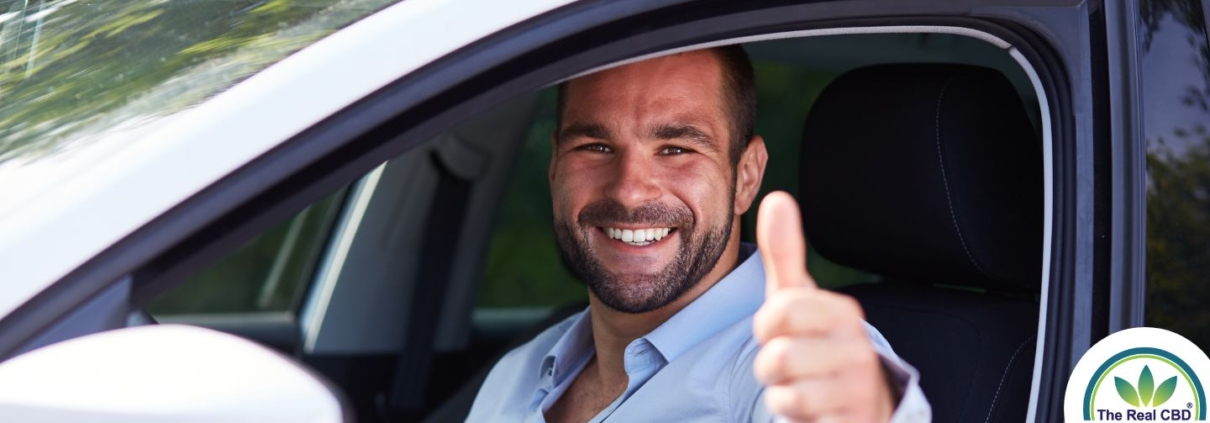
(162, 373)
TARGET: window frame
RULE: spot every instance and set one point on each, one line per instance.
(1120, 121)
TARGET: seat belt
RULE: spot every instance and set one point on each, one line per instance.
(445, 220)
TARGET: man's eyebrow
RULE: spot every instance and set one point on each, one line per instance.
(586, 130)
(678, 131)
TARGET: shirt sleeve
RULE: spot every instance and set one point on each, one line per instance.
(912, 408)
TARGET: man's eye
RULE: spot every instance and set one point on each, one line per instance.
(673, 151)
(595, 148)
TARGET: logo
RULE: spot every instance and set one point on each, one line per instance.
(1139, 374)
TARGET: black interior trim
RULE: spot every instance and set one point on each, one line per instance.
(440, 243)
(520, 59)
(1062, 303)
(1102, 176)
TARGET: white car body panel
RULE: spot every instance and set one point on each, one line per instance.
(162, 373)
(91, 205)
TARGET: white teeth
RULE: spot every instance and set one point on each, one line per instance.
(639, 237)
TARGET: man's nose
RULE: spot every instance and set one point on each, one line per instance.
(632, 182)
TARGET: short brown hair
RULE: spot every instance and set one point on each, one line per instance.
(739, 85)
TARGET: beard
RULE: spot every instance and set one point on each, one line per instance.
(700, 250)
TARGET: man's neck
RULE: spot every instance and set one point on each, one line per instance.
(613, 331)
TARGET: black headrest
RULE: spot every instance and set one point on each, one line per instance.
(925, 172)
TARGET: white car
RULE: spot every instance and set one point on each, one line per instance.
(360, 185)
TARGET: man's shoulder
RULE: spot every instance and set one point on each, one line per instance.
(521, 364)
(533, 351)
(504, 393)
(732, 347)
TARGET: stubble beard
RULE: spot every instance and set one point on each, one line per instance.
(700, 250)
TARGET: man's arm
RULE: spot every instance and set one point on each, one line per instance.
(910, 404)
(819, 359)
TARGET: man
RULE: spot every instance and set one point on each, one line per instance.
(653, 164)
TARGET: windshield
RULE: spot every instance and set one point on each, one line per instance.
(76, 71)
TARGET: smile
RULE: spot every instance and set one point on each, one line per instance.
(637, 237)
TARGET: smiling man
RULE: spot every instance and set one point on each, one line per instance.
(653, 164)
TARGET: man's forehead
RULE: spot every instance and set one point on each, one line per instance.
(696, 71)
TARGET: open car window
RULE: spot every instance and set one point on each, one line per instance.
(517, 279)
(270, 273)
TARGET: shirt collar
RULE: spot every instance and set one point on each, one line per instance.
(573, 347)
(735, 297)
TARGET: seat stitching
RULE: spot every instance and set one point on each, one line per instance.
(1005, 377)
(945, 180)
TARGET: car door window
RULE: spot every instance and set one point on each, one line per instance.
(267, 274)
(1176, 124)
(523, 269)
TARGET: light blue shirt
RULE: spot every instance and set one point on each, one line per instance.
(697, 366)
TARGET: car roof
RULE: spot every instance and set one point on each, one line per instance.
(60, 212)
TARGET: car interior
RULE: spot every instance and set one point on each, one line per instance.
(916, 156)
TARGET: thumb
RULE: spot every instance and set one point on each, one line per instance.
(782, 247)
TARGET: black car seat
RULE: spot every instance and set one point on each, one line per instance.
(930, 175)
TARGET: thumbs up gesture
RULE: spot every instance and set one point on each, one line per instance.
(816, 360)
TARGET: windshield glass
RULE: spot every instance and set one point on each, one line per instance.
(72, 71)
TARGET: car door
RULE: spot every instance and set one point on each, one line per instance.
(368, 108)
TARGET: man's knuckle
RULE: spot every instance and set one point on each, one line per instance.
(860, 359)
(793, 401)
(762, 324)
(780, 399)
(851, 307)
(773, 359)
(785, 357)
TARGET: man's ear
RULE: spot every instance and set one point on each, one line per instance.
(749, 172)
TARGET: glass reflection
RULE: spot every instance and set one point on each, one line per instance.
(1176, 115)
(71, 68)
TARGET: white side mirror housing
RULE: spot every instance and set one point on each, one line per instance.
(162, 373)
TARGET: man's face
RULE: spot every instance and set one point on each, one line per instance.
(643, 185)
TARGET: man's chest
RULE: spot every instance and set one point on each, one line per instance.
(585, 399)
(670, 394)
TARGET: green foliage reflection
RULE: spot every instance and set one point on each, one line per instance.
(1176, 52)
(71, 69)
(1178, 229)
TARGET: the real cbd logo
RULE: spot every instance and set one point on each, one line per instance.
(1146, 394)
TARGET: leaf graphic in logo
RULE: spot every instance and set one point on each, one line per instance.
(1164, 391)
(1126, 391)
(1146, 386)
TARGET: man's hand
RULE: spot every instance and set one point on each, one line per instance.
(816, 359)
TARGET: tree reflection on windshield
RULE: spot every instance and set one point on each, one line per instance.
(71, 68)
(1176, 122)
